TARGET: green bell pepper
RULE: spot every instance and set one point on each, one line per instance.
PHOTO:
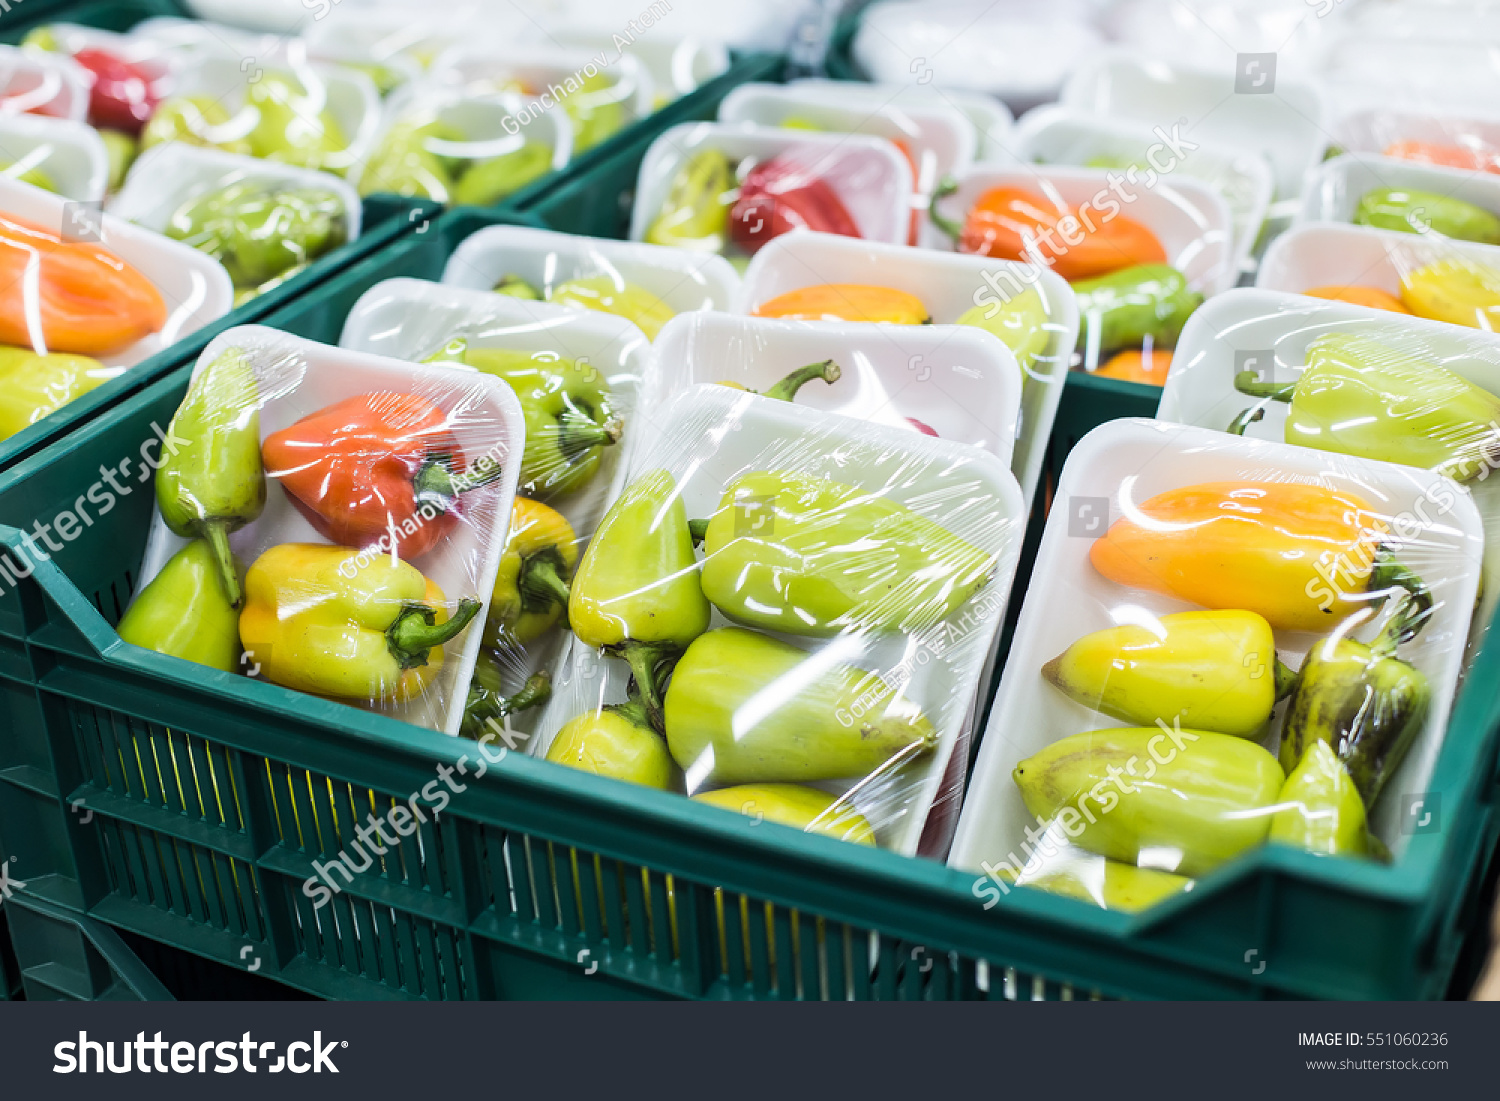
(486, 182)
(291, 128)
(195, 120)
(184, 612)
(1126, 308)
(258, 230)
(1410, 211)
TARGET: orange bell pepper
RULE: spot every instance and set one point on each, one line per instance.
(1302, 556)
(1012, 224)
(1372, 297)
(1447, 156)
(1149, 366)
(85, 299)
(847, 302)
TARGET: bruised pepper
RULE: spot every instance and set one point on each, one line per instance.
(637, 594)
(1302, 556)
(183, 612)
(321, 620)
(1359, 397)
(211, 482)
(531, 588)
(782, 195)
(808, 556)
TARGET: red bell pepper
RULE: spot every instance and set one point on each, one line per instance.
(781, 195)
(123, 96)
(364, 469)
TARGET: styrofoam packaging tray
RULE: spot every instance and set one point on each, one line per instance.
(869, 174)
(1318, 254)
(71, 154)
(684, 280)
(479, 69)
(1335, 187)
(941, 139)
(1362, 70)
(37, 82)
(1189, 218)
(166, 176)
(991, 119)
(350, 95)
(1286, 127)
(412, 318)
(949, 284)
(1018, 50)
(311, 376)
(1213, 32)
(1277, 326)
(1057, 135)
(1067, 599)
(1373, 130)
(195, 287)
(676, 63)
(406, 37)
(711, 435)
(157, 59)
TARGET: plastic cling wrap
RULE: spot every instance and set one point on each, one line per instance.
(1425, 138)
(64, 157)
(1227, 643)
(576, 375)
(1405, 195)
(816, 663)
(647, 285)
(330, 522)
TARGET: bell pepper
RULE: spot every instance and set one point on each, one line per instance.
(1021, 323)
(213, 483)
(1445, 156)
(1107, 884)
(637, 594)
(1370, 297)
(796, 805)
(610, 295)
(373, 467)
(122, 96)
(321, 619)
(531, 589)
(1206, 670)
(485, 182)
(617, 741)
(258, 230)
(121, 149)
(568, 411)
(597, 109)
(786, 388)
(183, 612)
(695, 214)
(1181, 801)
(808, 556)
(1011, 223)
(1321, 809)
(32, 385)
(1359, 397)
(781, 195)
(1410, 211)
(1147, 366)
(1363, 700)
(71, 296)
(1302, 556)
(402, 164)
(1132, 306)
(743, 708)
(292, 126)
(196, 120)
(488, 702)
(847, 302)
(516, 287)
(1457, 291)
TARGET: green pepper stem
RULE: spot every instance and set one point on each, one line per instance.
(1408, 621)
(487, 673)
(698, 529)
(1246, 383)
(787, 388)
(416, 631)
(542, 580)
(216, 534)
(436, 484)
(485, 703)
(947, 186)
(1245, 420)
(633, 710)
(576, 435)
(1286, 680)
(644, 659)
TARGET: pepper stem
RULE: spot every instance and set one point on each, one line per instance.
(698, 529)
(1286, 680)
(485, 704)
(542, 581)
(1245, 420)
(216, 534)
(787, 388)
(1408, 622)
(416, 631)
(1246, 383)
(633, 710)
(576, 435)
(436, 484)
(946, 186)
(644, 658)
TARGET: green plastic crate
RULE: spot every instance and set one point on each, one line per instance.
(108, 15)
(10, 972)
(209, 797)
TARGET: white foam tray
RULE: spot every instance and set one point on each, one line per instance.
(71, 154)
(1372, 130)
(991, 119)
(869, 174)
(195, 287)
(1317, 254)
(313, 376)
(677, 63)
(479, 69)
(1425, 74)
(1334, 189)
(949, 284)
(1132, 460)
(682, 279)
(37, 82)
(755, 433)
(1189, 218)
